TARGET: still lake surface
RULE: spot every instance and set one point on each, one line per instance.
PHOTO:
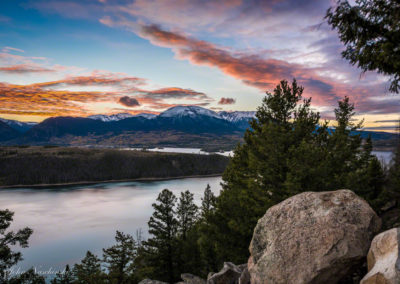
(68, 221)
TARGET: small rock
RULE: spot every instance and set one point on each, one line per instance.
(149, 281)
(229, 274)
(210, 274)
(245, 276)
(389, 205)
(383, 259)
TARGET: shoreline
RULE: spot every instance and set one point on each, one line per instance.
(67, 184)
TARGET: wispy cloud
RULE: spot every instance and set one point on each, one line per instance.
(94, 79)
(25, 68)
(7, 49)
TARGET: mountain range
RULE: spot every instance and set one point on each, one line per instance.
(184, 126)
(177, 126)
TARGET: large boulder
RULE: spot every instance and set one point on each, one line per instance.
(312, 237)
(383, 259)
(229, 274)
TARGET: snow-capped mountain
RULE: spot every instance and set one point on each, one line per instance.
(239, 119)
(234, 116)
(191, 111)
(120, 116)
(18, 125)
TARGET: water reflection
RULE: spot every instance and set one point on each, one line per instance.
(68, 221)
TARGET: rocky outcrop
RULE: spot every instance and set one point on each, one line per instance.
(383, 259)
(229, 274)
(149, 281)
(312, 237)
(192, 279)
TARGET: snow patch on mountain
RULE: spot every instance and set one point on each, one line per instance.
(234, 116)
(120, 116)
(108, 118)
(191, 111)
(146, 115)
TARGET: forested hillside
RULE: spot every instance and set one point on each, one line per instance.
(52, 165)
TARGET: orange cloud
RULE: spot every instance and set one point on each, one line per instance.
(251, 69)
(43, 100)
(98, 79)
(25, 68)
(35, 100)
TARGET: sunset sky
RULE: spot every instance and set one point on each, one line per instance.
(86, 57)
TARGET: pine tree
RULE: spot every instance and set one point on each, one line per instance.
(207, 203)
(64, 277)
(120, 258)
(256, 176)
(9, 258)
(394, 173)
(161, 247)
(206, 240)
(369, 30)
(89, 270)
(186, 213)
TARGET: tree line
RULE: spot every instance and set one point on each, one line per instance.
(52, 165)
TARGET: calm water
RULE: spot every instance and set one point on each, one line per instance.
(69, 221)
(384, 156)
(184, 150)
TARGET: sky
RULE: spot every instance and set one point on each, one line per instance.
(84, 57)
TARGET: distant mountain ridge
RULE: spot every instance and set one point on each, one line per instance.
(184, 126)
(18, 125)
(7, 132)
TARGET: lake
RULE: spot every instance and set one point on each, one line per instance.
(69, 221)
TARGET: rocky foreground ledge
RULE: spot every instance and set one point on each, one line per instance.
(314, 237)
